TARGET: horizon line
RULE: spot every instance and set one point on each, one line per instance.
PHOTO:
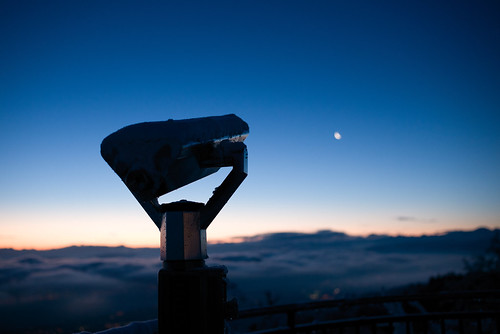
(258, 237)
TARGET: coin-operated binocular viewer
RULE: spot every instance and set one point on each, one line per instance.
(155, 158)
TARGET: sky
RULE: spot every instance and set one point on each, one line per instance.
(411, 87)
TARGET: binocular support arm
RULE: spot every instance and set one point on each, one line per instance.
(225, 154)
(233, 154)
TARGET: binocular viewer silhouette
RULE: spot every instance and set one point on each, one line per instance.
(155, 158)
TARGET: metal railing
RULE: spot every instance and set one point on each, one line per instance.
(481, 315)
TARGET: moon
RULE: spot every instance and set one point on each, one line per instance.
(337, 135)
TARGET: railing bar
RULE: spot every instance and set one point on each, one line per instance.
(385, 319)
(479, 326)
(443, 326)
(407, 318)
(369, 300)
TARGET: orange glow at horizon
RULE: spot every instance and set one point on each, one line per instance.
(50, 228)
(135, 233)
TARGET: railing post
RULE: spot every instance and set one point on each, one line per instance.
(479, 326)
(291, 320)
(461, 326)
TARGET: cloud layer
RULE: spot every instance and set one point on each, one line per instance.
(93, 288)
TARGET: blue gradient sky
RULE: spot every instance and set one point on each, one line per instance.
(413, 87)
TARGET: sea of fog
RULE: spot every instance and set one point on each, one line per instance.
(93, 288)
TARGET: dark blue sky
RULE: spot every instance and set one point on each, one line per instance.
(413, 88)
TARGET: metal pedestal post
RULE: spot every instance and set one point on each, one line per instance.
(191, 300)
(191, 296)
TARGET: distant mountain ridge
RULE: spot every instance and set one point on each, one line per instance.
(451, 241)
